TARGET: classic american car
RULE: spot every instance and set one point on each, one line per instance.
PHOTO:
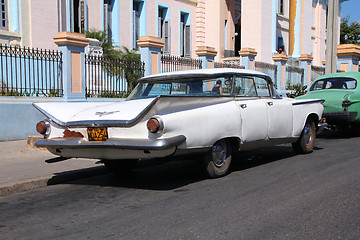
(342, 97)
(212, 112)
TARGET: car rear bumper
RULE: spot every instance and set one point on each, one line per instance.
(113, 148)
(344, 117)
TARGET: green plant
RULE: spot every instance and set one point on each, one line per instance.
(108, 94)
(297, 90)
(128, 69)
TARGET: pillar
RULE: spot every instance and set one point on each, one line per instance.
(305, 61)
(348, 57)
(248, 58)
(280, 62)
(150, 49)
(72, 45)
(206, 55)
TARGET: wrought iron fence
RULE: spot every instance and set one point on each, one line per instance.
(316, 72)
(106, 77)
(267, 68)
(30, 72)
(231, 62)
(294, 76)
(227, 65)
(174, 63)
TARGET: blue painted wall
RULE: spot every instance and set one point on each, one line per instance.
(18, 117)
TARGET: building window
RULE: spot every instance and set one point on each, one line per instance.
(78, 16)
(107, 18)
(185, 38)
(164, 28)
(136, 23)
(280, 45)
(4, 15)
(281, 7)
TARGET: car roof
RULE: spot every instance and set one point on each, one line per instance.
(355, 75)
(205, 73)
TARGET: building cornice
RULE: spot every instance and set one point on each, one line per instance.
(150, 41)
(206, 51)
(346, 50)
(71, 38)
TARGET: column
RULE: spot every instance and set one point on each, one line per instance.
(72, 45)
(280, 62)
(305, 61)
(150, 50)
(206, 55)
(348, 57)
(248, 58)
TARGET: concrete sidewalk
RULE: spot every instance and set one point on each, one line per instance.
(23, 168)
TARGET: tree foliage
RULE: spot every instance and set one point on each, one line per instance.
(130, 58)
(349, 32)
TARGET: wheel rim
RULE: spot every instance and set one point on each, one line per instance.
(219, 153)
(307, 134)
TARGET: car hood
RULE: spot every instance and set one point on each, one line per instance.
(85, 113)
(333, 98)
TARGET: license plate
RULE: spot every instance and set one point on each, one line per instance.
(97, 134)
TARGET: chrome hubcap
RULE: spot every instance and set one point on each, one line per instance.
(307, 134)
(219, 153)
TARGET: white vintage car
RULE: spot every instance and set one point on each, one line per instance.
(214, 112)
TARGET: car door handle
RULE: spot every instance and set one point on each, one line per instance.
(243, 106)
(270, 103)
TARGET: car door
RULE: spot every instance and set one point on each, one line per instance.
(280, 117)
(253, 111)
(254, 119)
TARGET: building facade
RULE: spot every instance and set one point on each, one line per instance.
(293, 27)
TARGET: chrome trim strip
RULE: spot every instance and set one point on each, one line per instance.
(311, 101)
(119, 143)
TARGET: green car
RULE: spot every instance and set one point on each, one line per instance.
(341, 93)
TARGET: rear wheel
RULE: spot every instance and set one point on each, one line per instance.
(217, 160)
(306, 141)
(120, 166)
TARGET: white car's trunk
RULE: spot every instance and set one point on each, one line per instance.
(63, 113)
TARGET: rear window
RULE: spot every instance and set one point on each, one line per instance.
(334, 83)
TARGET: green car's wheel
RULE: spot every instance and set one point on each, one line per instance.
(306, 141)
(217, 160)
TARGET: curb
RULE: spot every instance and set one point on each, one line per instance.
(30, 141)
(58, 178)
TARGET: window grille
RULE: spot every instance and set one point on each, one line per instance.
(3, 15)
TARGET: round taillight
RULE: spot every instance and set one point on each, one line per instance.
(153, 125)
(41, 127)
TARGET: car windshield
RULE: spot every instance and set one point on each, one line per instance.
(215, 86)
(334, 83)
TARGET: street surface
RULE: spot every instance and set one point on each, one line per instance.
(270, 194)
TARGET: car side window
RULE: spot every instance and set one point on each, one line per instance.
(334, 83)
(262, 87)
(251, 87)
(244, 86)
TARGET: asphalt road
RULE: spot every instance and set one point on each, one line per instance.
(270, 194)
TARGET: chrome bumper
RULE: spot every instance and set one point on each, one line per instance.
(343, 117)
(116, 143)
(321, 127)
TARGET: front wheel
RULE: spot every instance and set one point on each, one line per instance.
(217, 160)
(306, 141)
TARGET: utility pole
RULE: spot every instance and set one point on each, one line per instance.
(332, 36)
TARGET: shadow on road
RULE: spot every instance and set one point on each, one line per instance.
(171, 175)
(345, 133)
